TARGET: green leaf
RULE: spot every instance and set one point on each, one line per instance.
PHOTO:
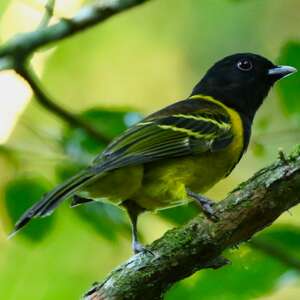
(68, 169)
(111, 123)
(286, 237)
(81, 147)
(250, 275)
(19, 195)
(106, 219)
(289, 88)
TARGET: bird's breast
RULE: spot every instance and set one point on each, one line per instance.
(165, 182)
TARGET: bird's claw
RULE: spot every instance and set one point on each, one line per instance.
(138, 248)
(209, 211)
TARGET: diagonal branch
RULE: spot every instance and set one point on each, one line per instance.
(252, 206)
(47, 103)
(15, 52)
(49, 9)
(22, 45)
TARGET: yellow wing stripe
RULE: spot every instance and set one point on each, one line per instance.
(237, 124)
(187, 131)
(209, 98)
(222, 125)
(144, 123)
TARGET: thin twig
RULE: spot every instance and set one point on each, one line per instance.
(276, 252)
(27, 73)
(22, 45)
(49, 9)
(15, 52)
(7, 63)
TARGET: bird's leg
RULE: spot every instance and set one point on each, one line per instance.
(205, 204)
(136, 245)
(134, 211)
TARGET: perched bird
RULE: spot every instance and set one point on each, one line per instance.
(179, 152)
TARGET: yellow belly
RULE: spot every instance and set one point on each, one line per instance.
(165, 183)
(115, 186)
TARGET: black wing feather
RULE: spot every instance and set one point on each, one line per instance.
(182, 129)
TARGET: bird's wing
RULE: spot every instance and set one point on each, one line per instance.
(188, 127)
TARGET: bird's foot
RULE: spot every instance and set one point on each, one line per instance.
(138, 248)
(207, 206)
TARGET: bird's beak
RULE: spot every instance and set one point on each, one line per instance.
(279, 72)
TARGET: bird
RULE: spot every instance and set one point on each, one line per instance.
(175, 155)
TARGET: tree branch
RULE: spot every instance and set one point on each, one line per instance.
(15, 52)
(49, 9)
(47, 103)
(22, 45)
(251, 207)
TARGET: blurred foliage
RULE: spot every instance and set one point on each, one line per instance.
(249, 275)
(285, 237)
(251, 272)
(180, 214)
(19, 195)
(3, 5)
(8, 154)
(138, 62)
(258, 149)
(289, 89)
(105, 219)
(81, 147)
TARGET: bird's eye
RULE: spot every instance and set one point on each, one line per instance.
(244, 65)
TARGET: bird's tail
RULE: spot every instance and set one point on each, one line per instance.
(51, 200)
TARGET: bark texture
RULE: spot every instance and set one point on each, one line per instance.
(199, 244)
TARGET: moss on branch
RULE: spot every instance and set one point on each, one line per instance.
(252, 206)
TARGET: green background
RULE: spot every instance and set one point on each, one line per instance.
(112, 74)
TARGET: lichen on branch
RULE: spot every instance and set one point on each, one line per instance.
(252, 206)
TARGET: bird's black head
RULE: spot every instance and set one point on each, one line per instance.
(241, 81)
